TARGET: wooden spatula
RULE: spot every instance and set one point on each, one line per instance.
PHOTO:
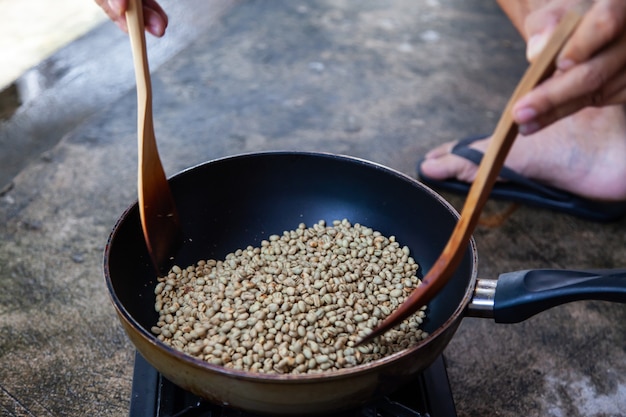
(490, 166)
(159, 218)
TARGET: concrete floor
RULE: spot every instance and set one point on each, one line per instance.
(380, 80)
(32, 30)
(81, 77)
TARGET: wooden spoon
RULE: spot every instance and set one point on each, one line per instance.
(159, 217)
(488, 170)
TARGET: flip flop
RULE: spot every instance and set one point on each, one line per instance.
(520, 189)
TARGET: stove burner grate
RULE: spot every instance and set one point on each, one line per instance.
(429, 395)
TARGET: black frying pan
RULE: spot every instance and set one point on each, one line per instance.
(238, 201)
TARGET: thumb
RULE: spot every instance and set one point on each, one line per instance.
(536, 43)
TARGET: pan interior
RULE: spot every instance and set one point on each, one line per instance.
(235, 202)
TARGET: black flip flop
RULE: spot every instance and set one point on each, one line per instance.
(520, 189)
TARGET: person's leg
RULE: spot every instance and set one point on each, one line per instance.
(584, 154)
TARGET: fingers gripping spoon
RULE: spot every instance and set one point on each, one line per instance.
(159, 218)
(488, 170)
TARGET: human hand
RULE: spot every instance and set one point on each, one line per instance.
(154, 16)
(590, 68)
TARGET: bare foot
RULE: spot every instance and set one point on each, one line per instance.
(584, 154)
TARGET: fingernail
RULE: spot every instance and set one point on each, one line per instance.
(528, 128)
(534, 45)
(564, 64)
(525, 115)
(115, 6)
(154, 24)
(156, 29)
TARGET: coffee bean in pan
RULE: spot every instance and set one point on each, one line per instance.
(298, 303)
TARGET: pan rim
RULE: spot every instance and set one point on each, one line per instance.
(383, 362)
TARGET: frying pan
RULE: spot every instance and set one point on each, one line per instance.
(238, 201)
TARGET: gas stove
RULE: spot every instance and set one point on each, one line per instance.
(429, 395)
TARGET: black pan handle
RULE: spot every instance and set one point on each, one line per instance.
(518, 295)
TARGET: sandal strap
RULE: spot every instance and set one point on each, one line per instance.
(462, 149)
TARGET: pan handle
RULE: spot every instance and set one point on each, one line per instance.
(518, 295)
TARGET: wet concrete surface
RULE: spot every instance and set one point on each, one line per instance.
(31, 31)
(384, 81)
(82, 79)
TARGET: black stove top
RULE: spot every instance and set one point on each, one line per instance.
(429, 395)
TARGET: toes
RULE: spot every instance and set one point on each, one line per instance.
(449, 166)
(440, 150)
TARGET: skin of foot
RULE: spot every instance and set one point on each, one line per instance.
(584, 154)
